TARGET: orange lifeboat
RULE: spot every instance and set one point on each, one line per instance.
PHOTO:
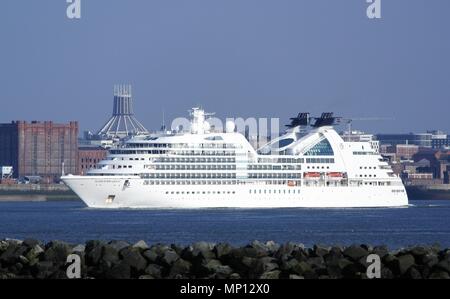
(335, 174)
(292, 184)
(311, 175)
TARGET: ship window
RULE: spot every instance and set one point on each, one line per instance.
(323, 148)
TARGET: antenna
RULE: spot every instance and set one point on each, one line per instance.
(349, 121)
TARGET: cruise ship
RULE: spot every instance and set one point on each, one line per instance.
(203, 168)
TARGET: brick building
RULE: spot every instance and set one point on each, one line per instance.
(88, 157)
(39, 148)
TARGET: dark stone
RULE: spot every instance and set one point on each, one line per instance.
(271, 275)
(118, 245)
(154, 270)
(180, 267)
(12, 254)
(419, 251)
(110, 254)
(355, 252)
(302, 268)
(222, 250)
(122, 270)
(443, 265)
(203, 250)
(169, 257)
(381, 251)
(141, 245)
(320, 250)
(32, 242)
(133, 258)
(439, 275)
(266, 264)
(57, 251)
(150, 255)
(405, 262)
(413, 273)
(223, 272)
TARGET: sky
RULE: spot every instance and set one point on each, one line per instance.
(238, 58)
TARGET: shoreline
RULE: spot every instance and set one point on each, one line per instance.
(32, 259)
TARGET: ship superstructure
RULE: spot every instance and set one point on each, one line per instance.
(201, 168)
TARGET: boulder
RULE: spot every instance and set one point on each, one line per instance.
(133, 258)
(271, 275)
(355, 253)
(57, 252)
(154, 270)
(222, 250)
(180, 267)
(122, 270)
(405, 262)
(141, 245)
(169, 257)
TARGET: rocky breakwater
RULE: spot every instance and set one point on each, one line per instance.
(121, 260)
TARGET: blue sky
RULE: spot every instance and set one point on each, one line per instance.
(238, 58)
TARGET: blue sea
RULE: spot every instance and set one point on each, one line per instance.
(424, 222)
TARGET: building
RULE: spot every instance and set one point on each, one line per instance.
(88, 157)
(439, 140)
(422, 139)
(39, 148)
(406, 151)
(122, 123)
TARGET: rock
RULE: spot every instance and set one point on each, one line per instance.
(405, 262)
(31, 243)
(419, 251)
(80, 248)
(223, 272)
(118, 245)
(12, 253)
(355, 252)
(203, 250)
(293, 276)
(34, 253)
(146, 277)
(235, 276)
(301, 268)
(221, 250)
(429, 260)
(381, 251)
(443, 265)
(57, 251)
(320, 250)
(150, 255)
(271, 275)
(133, 258)
(266, 264)
(122, 270)
(413, 273)
(439, 275)
(94, 252)
(110, 254)
(154, 270)
(211, 266)
(141, 245)
(180, 267)
(169, 257)
(272, 247)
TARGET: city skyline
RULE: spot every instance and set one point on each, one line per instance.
(182, 54)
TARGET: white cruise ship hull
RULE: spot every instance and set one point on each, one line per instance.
(114, 192)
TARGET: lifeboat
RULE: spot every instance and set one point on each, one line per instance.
(335, 174)
(292, 184)
(311, 175)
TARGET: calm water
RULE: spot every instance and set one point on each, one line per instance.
(426, 222)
